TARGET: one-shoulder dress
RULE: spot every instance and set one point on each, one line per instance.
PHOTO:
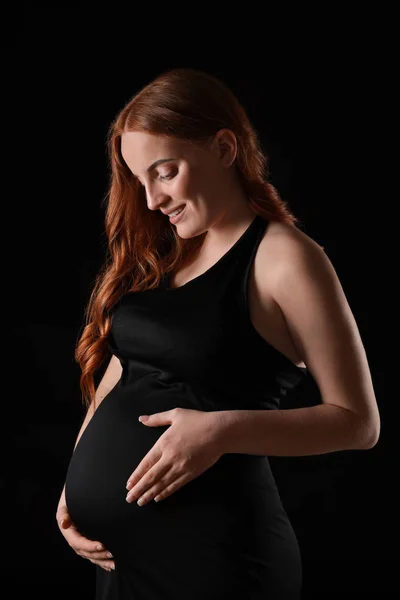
(224, 535)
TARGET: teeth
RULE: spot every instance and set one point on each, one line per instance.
(176, 212)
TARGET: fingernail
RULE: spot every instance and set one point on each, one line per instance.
(109, 555)
(99, 547)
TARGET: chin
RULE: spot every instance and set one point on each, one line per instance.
(186, 232)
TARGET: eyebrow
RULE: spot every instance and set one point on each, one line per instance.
(158, 162)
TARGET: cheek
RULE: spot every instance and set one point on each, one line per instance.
(185, 186)
(192, 184)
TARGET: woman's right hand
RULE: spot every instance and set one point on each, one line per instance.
(82, 545)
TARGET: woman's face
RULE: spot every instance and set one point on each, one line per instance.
(175, 174)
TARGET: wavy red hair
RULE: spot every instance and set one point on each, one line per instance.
(142, 245)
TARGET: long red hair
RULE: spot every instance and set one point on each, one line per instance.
(142, 245)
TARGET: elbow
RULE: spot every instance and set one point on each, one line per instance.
(372, 440)
(368, 435)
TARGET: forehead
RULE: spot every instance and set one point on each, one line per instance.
(140, 149)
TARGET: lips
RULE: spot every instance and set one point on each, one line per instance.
(175, 209)
(177, 217)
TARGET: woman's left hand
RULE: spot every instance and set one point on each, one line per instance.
(188, 448)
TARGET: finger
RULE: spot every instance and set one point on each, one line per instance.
(62, 511)
(107, 565)
(158, 477)
(146, 465)
(66, 522)
(104, 555)
(63, 518)
(152, 492)
(82, 543)
(167, 491)
(85, 547)
(92, 548)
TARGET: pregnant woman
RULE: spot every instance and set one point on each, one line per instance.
(213, 305)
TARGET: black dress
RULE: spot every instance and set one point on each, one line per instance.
(225, 534)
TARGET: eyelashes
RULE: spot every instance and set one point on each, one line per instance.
(160, 177)
(167, 176)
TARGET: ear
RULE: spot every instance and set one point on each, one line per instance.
(225, 146)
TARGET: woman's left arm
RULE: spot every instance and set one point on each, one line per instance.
(323, 329)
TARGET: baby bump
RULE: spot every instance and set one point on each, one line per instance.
(110, 448)
(115, 442)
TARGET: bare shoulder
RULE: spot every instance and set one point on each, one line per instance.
(282, 249)
(282, 241)
(296, 271)
(294, 261)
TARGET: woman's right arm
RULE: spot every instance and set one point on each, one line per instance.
(82, 546)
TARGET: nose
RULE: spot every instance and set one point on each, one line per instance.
(155, 197)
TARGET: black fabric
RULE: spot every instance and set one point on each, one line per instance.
(225, 534)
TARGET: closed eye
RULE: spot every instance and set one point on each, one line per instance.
(168, 176)
(161, 177)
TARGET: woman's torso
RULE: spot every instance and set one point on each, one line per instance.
(192, 346)
(265, 312)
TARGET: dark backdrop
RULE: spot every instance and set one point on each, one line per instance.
(317, 110)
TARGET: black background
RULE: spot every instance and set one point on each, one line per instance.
(319, 98)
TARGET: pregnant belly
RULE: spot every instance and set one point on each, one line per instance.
(115, 442)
